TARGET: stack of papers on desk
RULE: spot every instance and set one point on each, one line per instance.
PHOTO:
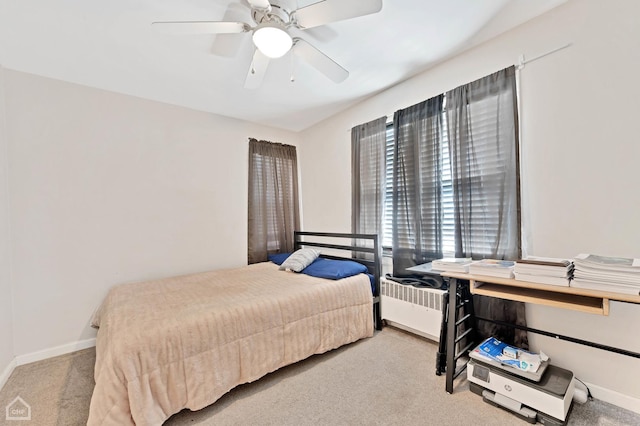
(614, 274)
(544, 270)
(493, 268)
(452, 264)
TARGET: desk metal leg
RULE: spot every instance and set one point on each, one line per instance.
(451, 334)
(461, 329)
(441, 356)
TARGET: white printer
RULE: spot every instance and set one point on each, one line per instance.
(544, 396)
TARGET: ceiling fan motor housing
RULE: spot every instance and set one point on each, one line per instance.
(277, 14)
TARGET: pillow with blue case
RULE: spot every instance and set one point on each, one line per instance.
(334, 269)
(278, 258)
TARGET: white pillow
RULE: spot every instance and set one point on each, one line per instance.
(299, 260)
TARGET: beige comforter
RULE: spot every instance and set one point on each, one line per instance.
(183, 342)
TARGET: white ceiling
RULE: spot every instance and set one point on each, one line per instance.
(111, 45)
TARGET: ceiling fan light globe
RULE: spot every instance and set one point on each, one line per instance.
(272, 40)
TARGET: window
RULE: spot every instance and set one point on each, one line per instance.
(273, 199)
(449, 176)
(482, 119)
(448, 224)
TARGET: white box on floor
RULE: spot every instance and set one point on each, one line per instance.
(552, 395)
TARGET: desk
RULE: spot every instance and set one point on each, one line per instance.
(578, 299)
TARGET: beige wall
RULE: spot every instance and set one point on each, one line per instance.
(108, 189)
(6, 321)
(580, 157)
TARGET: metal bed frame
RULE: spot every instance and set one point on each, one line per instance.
(360, 243)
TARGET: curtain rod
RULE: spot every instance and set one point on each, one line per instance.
(389, 120)
(520, 65)
(522, 62)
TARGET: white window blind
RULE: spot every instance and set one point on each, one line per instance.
(448, 220)
(387, 217)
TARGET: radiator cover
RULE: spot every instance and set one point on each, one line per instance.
(417, 310)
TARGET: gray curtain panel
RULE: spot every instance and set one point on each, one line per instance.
(274, 212)
(368, 159)
(417, 186)
(482, 120)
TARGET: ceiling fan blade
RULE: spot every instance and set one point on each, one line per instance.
(328, 11)
(320, 61)
(201, 27)
(260, 4)
(228, 45)
(257, 70)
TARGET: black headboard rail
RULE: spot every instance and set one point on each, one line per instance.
(336, 246)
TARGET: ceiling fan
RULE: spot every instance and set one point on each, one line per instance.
(271, 32)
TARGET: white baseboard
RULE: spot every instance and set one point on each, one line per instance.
(616, 398)
(4, 376)
(55, 351)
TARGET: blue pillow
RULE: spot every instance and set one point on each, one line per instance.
(334, 269)
(278, 258)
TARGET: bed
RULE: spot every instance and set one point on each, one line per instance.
(183, 342)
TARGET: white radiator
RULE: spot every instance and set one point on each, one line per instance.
(417, 310)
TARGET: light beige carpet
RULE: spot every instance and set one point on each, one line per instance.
(388, 379)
